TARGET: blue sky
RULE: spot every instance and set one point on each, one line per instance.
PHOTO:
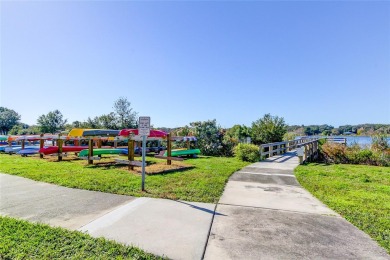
(311, 62)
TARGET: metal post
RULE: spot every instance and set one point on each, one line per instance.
(143, 161)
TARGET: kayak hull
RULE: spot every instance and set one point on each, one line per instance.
(65, 149)
(100, 151)
(185, 152)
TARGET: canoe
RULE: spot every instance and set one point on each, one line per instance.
(101, 151)
(101, 132)
(15, 149)
(3, 138)
(65, 149)
(29, 151)
(2, 148)
(79, 132)
(35, 137)
(185, 152)
(153, 133)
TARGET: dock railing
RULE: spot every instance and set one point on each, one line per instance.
(306, 148)
(339, 140)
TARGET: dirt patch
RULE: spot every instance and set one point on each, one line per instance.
(159, 168)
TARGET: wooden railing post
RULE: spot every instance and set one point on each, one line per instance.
(169, 149)
(90, 151)
(130, 152)
(41, 144)
(59, 143)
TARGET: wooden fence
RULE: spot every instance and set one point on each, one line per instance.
(307, 148)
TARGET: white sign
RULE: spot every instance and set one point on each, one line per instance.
(144, 125)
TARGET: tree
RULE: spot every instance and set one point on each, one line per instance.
(8, 119)
(51, 122)
(126, 117)
(268, 129)
(239, 133)
(209, 136)
(91, 123)
(108, 121)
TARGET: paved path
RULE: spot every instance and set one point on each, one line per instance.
(265, 214)
(176, 229)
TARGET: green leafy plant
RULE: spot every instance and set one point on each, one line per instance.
(268, 129)
(380, 143)
(247, 152)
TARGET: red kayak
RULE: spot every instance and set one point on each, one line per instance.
(153, 133)
(65, 149)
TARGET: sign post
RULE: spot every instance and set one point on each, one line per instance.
(144, 131)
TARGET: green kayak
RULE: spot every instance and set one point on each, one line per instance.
(3, 138)
(101, 151)
(180, 152)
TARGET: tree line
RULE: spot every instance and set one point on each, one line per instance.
(212, 138)
(122, 117)
(361, 129)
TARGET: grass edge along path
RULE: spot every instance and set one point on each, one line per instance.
(20, 239)
(204, 182)
(359, 193)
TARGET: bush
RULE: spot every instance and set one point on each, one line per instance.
(247, 152)
(380, 143)
(339, 153)
(360, 156)
(334, 153)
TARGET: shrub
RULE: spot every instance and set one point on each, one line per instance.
(359, 156)
(268, 129)
(338, 153)
(247, 152)
(334, 153)
(380, 143)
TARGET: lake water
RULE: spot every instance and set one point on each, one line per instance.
(363, 141)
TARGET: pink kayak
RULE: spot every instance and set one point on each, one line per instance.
(153, 133)
(65, 149)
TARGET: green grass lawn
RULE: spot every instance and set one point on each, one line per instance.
(361, 194)
(23, 240)
(202, 183)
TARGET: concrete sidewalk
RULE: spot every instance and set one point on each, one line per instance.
(265, 214)
(176, 229)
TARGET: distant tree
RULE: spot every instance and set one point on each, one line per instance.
(20, 129)
(126, 117)
(268, 129)
(308, 130)
(238, 132)
(8, 119)
(52, 122)
(76, 124)
(108, 121)
(92, 123)
(208, 135)
(183, 131)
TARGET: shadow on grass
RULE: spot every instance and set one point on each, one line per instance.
(137, 170)
(170, 171)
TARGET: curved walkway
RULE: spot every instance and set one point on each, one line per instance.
(265, 214)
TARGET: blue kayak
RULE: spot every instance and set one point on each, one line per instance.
(29, 151)
(15, 149)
